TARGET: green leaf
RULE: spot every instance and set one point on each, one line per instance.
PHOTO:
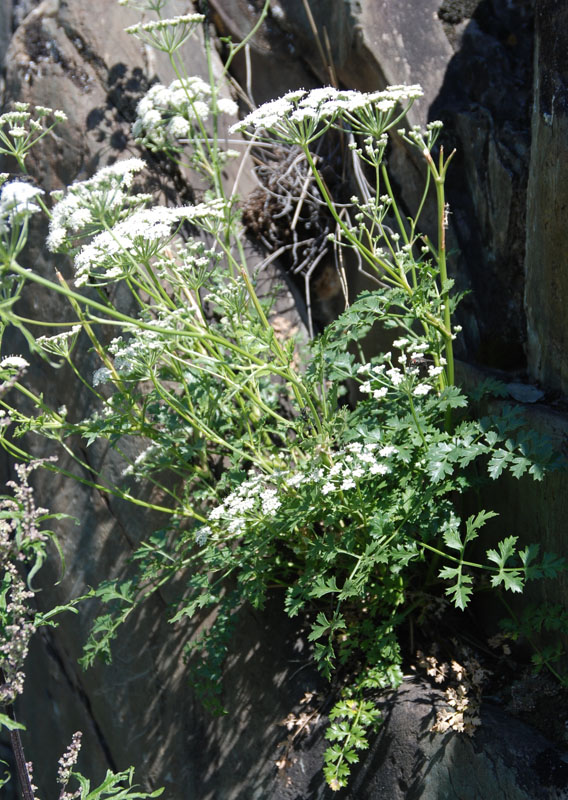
(552, 565)
(511, 579)
(10, 724)
(498, 462)
(451, 397)
(323, 626)
(322, 587)
(520, 466)
(461, 591)
(474, 523)
(451, 533)
(341, 367)
(113, 787)
(537, 471)
(506, 549)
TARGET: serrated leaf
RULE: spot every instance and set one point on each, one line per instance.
(448, 573)
(519, 466)
(537, 471)
(474, 523)
(451, 397)
(322, 587)
(506, 548)
(451, 533)
(512, 580)
(320, 627)
(439, 469)
(497, 463)
(462, 590)
(551, 565)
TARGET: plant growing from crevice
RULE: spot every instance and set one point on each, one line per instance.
(268, 480)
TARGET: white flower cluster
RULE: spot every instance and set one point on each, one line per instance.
(88, 204)
(135, 357)
(299, 117)
(142, 459)
(424, 138)
(134, 241)
(60, 344)
(413, 375)
(17, 204)
(255, 501)
(169, 113)
(167, 34)
(19, 129)
(252, 497)
(14, 362)
(356, 462)
(190, 265)
(21, 123)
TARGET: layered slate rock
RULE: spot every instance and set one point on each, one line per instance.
(546, 294)
(503, 759)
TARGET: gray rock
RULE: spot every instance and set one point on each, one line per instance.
(6, 12)
(504, 759)
(525, 393)
(546, 292)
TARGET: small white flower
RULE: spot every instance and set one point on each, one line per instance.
(17, 197)
(379, 393)
(365, 388)
(348, 483)
(328, 487)
(395, 376)
(217, 512)
(270, 502)
(421, 390)
(379, 469)
(355, 447)
(387, 450)
(14, 362)
(296, 479)
(227, 106)
(101, 375)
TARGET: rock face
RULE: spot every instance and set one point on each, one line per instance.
(503, 759)
(547, 260)
(474, 59)
(485, 104)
